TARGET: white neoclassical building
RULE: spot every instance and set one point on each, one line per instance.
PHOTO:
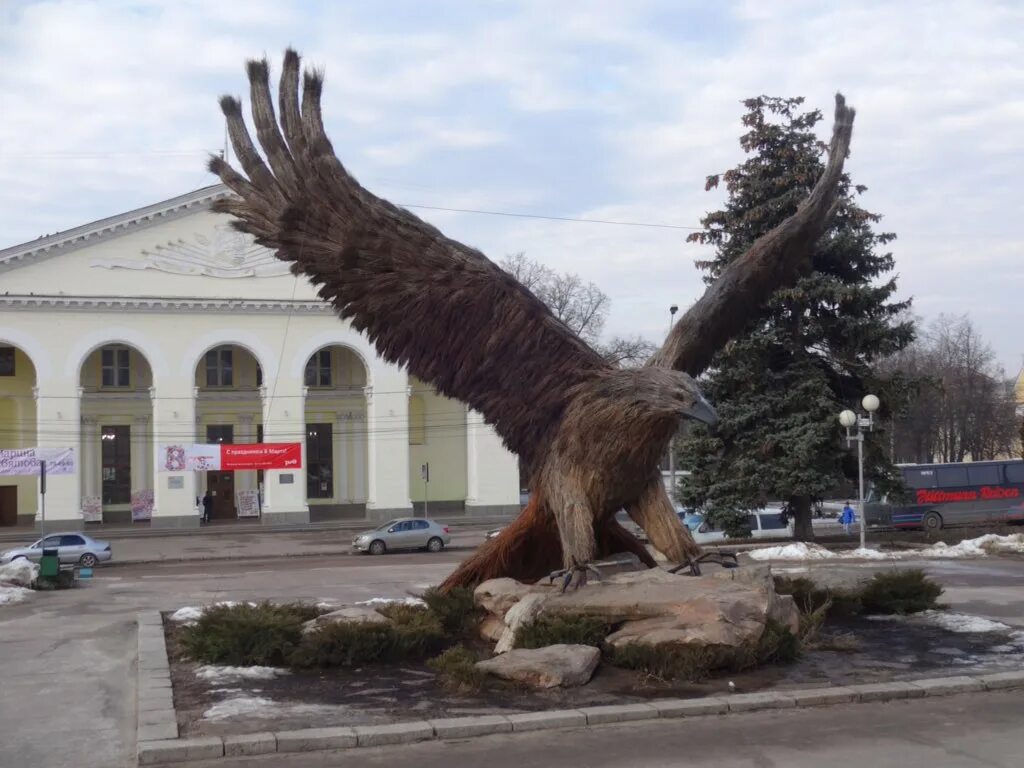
(162, 326)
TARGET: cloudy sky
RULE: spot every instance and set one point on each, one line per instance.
(598, 110)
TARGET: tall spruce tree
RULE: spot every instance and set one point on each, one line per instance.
(779, 386)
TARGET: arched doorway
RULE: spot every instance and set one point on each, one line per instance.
(437, 439)
(335, 379)
(117, 435)
(229, 410)
(18, 497)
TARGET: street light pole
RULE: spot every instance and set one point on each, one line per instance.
(849, 419)
(672, 443)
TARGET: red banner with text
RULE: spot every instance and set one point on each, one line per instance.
(261, 456)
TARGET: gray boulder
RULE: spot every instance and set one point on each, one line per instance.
(361, 614)
(566, 666)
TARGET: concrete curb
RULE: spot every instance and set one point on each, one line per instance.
(158, 749)
(157, 720)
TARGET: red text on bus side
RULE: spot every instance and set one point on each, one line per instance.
(987, 492)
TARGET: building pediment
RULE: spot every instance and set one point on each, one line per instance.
(178, 249)
(225, 253)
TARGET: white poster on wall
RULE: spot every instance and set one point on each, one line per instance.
(189, 457)
(92, 509)
(247, 503)
(25, 461)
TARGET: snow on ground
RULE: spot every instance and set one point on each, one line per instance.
(191, 613)
(257, 706)
(796, 551)
(13, 594)
(217, 674)
(18, 573)
(962, 622)
(990, 543)
(391, 601)
(239, 705)
(980, 547)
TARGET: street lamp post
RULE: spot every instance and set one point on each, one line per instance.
(672, 443)
(849, 420)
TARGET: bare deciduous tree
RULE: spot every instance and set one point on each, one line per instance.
(961, 406)
(580, 305)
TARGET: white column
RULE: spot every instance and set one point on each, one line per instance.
(174, 423)
(387, 425)
(284, 421)
(245, 480)
(59, 425)
(140, 440)
(91, 458)
(492, 471)
(342, 490)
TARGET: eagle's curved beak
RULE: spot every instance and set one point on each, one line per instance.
(701, 410)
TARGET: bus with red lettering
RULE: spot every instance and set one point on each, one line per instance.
(942, 495)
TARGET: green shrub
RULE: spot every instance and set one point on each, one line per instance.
(778, 645)
(456, 610)
(670, 661)
(245, 635)
(810, 598)
(901, 591)
(666, 661)
(557, 629)
(413, 634)
(457, 669)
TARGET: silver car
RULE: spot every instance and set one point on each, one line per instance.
(405, 533)
(72, 547)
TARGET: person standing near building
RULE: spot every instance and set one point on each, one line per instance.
(207, 505)
(847, 517)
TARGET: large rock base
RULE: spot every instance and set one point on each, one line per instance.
(565, 666)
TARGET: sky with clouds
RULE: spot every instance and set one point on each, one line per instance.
(601, 110)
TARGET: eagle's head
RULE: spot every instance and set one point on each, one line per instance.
(657, 394)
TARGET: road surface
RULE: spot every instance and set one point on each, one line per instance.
(67, 679)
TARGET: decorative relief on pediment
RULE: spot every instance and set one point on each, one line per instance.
(225, 254)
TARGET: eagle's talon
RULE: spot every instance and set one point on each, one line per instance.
(724, 559)
(575, 575)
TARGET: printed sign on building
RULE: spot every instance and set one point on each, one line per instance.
(92, 509)
(249, 456)
(25, 461)
(247, 503)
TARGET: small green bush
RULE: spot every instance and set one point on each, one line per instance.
(810, 598)
(901, 591)
(669, 661)
(456, 609)
(457, 669)
(568, 629)
(413, 634)
(666, 661)
(777, 645)
(245, 635)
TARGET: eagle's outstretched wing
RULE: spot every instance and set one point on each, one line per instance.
(772, 262)
(453, 317)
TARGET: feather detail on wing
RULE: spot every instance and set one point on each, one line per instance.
(443, 310)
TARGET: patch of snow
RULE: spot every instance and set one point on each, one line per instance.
(18, 573)
(990, 543)
(391, 601)
(869, 554)
(1003, 649)
(239, 705)
(217, 674)
(191, 613)
(962, 622)
(796, 551)
(13, 594)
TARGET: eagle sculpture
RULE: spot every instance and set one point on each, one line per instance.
(591, 435)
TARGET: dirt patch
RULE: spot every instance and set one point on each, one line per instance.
(875, 651)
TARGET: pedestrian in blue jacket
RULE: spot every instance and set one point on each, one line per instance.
(848, 517)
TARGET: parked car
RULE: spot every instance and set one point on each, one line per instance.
(404, 533)
(764, 524)
(493, 533)
(71, 548)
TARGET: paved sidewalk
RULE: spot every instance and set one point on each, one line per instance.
(251, 546)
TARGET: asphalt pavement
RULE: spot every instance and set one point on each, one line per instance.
(967, 731)
(67, 682)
